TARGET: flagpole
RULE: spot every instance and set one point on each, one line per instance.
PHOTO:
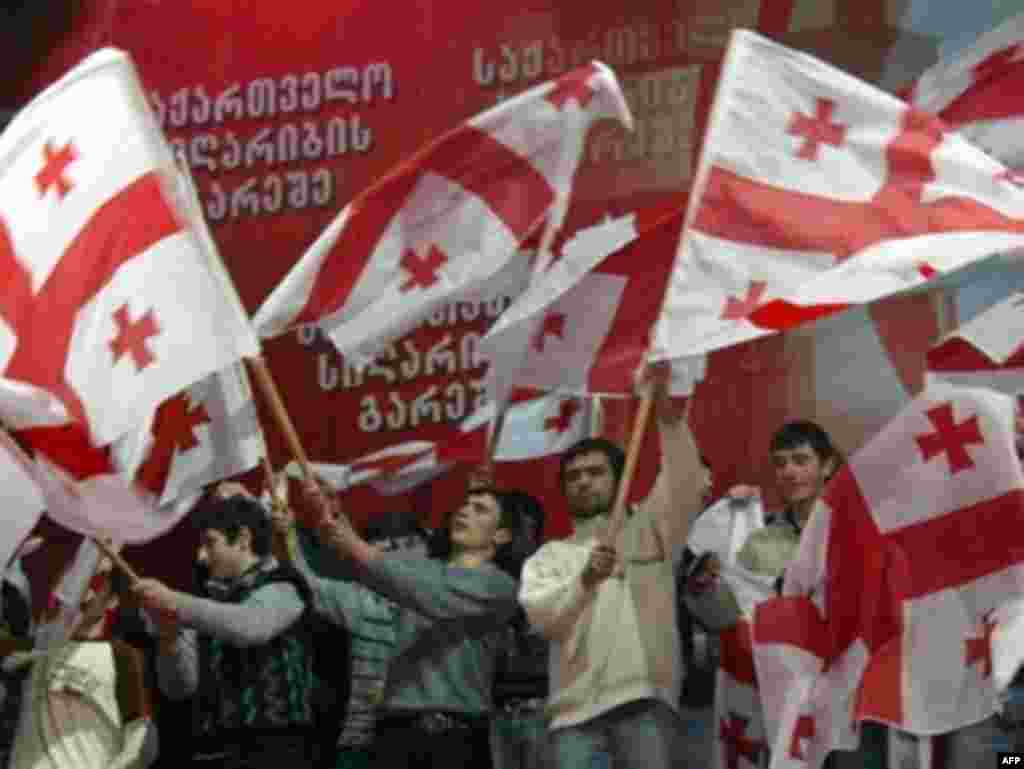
(116, 558)
(266, 382)
(618, 517)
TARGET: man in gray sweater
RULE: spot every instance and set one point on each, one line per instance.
(448, 621)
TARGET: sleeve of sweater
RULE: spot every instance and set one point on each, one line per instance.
(262, 616)
(675, 501)
(552, 592)
(339, 600)
(442, 592)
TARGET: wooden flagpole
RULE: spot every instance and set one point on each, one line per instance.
(618, 517)
(266, 383)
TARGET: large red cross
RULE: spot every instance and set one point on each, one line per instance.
(132, 336)
(173, 433)
(54, 166)
(950, 438)
(563, 420)
(816, 129)
(120, 229)
(732, 734)
(740, 209)
(573, 85)
(422, 269)
(554, 325)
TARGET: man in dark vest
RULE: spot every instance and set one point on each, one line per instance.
(245, 653)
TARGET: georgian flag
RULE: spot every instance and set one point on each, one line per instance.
(816, 191)
(447, 219)
(899, 579)
(109, 302)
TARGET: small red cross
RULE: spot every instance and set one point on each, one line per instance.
(573, 86)
(735, 309)
(804, 730)
(173, 432)
(981, 648)
(422, 269)
(131, 337)
(737, 744)
(54, 166)
(927, 271)
(554, 324)
(950, 438)
(817, 129)
(566, 411)
(996, 62)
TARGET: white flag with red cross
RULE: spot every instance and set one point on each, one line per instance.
(980, 93)
(584, 325)
(447, 219)
(206, 433)
(915, 546)
(988, 351)
(109, 302)
(816, 191)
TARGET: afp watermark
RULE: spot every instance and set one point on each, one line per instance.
(1011, 759)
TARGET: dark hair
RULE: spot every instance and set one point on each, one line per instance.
(616, 456)
(510, 511)
(229, 516)
(525, 505)
(797, 433)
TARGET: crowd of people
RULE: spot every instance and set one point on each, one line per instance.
(472, 645)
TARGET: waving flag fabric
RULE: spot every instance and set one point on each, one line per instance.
(108, 302)
(816, 191)
(447, 220)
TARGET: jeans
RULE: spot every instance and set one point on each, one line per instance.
(646, 734)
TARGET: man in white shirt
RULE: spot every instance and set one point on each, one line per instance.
(609, 608)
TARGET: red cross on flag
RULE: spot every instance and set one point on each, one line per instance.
(988, 351)
(588, 319)
(917, 541)
(446, 220)
(980, 92)
(200, 436)
(816, 191)
(108, 301)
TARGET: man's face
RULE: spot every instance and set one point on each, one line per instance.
(589, 484)
(800, 474)
(224, 560)
(477, 524)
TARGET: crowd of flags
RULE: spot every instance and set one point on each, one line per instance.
(122, 341)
